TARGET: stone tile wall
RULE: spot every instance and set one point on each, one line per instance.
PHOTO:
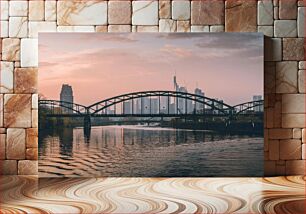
(282, 21)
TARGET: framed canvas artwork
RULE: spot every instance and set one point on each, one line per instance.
(150, 105)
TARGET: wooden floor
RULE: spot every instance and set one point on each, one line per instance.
(139, 195)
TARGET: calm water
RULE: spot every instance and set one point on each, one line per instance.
(149, 152)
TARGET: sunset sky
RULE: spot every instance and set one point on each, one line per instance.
(227, 66)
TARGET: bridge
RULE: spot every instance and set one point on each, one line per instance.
(151, 104)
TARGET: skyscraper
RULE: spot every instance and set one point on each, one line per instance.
(199, 106)
(260, 107)
(66, 96)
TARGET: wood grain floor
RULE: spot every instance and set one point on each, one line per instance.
(26, 194)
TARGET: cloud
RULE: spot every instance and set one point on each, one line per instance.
(176, 51)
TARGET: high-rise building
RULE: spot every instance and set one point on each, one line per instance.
(182, 102)
(258, 108)
(127, 107)
(66, 96)
(145, 105)
(199, 106)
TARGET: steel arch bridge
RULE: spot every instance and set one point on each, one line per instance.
(208, 105)
(213, 104)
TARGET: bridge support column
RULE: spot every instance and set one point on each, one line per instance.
(87, 127)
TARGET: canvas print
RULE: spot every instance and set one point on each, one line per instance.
(150, 104)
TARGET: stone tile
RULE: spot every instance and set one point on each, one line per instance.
(119, 28)
(164, 9)
(119, 12)
(7, 77)
(207, 12)
(287, 9)
(269, 77)
(101, 28)
(1, 111)
(4, 9)
(285, 28)
(36, 10)
(32, 154)
(301, 81)
(199, 28)
(183, 26)
(167, 25)
(2, 130)
(17, 64)
(304, 135)
(303, 151)
(25, 80)
(293, 103)
(11, 49)
(297, 133)
(18, 27)
(280, 170)
(34, 101)
(301, 3)
(18, 8)
(17, 110)
(27, 167)
(2, 146)
(277, 117)
(275, 3)
(89, 12)
(75, 29)
(15, 144)
(290, 149)
(302, 65)
(147, 28)
(34, 118)
(280, 133)
(239, 16)
(295, 167)
(270, 168)
(265, 12)
(275, 13)
(8, 167)
(286, 77)
(145, 13)
(273, 49)
(293, 49)
(181, 10)
(293, 121)
(269, 118)
(274, 150)
(50, 10)
(301, 21)
(4, 29)
(36, 27)
(266, 30)
(32, 138)
(29, 53)
(216, 28)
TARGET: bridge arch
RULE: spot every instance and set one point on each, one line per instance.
(243, 107)
(70, 107)
(212, 103)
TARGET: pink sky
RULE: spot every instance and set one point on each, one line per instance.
(227, 66)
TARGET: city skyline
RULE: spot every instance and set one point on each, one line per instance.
(97, 72)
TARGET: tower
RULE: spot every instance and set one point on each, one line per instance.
(66, 96)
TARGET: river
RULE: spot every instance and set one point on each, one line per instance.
(139, 151)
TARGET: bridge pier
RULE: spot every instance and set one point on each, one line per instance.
(87, 127)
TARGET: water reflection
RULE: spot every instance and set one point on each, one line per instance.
(147, 151)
